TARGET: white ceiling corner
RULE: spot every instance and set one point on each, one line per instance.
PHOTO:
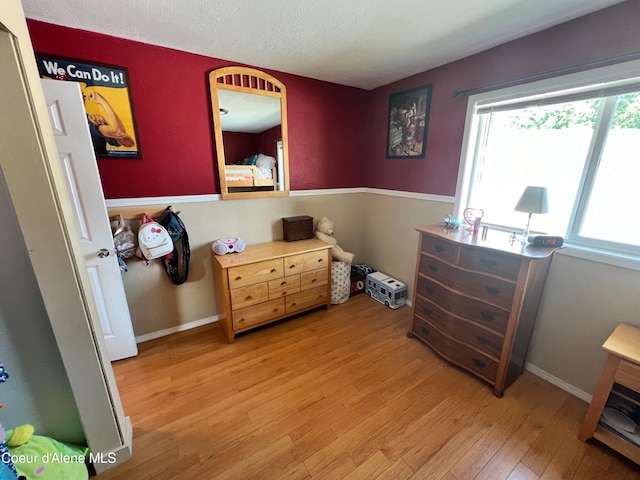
(360, 43)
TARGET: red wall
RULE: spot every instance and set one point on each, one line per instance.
(170, 97)
(337, 134)
(238, 146)
(603, 34)
(269, 139)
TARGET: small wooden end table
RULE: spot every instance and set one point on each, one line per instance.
(621, 369)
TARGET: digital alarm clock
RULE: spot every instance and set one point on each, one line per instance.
(545, 241)
(228, 245)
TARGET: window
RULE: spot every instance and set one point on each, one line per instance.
(579, 136)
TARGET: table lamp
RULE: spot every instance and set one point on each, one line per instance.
(533, 200)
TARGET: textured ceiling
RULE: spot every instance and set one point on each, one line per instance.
(362, 43)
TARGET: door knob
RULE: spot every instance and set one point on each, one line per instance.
(103, 253)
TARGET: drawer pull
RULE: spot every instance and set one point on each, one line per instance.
(424, 330)
(274, 270)
(293, 265)
(238, 278)
(483, 340)
(488, 263)
(430, 290)
(478, 363)
(487, 316)
(439, 248)
(275, 309)
(314, 280)
(283, 283)
(433, 268)
(494, 291)
(320, 260)
(427, 311)
(293, 304)
(248, 297)
(283, 293)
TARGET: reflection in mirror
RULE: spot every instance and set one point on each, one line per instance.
(249, 113)
(251, 134)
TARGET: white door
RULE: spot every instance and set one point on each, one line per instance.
(69, 123)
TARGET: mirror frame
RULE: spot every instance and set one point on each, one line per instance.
(256, 82)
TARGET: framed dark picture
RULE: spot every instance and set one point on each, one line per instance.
(408, 122)
(107, 103)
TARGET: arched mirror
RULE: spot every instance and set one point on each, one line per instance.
(249, 110)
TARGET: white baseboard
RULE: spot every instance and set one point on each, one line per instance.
(176, 329)
(104, 461)
(187, 326)
(558, 382)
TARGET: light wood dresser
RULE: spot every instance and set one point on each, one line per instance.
(475, 301)
(619, 384)
(271, 281)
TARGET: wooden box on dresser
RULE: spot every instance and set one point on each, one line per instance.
(475, 301)
(271, 281)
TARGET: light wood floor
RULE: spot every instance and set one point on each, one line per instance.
(342, 394)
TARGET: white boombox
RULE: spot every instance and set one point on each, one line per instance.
(228, 245)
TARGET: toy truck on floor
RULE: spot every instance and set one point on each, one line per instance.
(385, 289)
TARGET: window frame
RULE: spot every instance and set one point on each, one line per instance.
(610, 78)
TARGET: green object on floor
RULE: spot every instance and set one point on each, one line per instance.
(45, 458)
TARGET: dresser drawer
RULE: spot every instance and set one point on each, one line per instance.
(491, 262)
(306, 262)
(439, 248)
(258, 314)
(491, 316)
(628, 374)
(455, 352)
(466, 333)
(306, 299)
(249, 295)
(314, 278)
(486, 288)
(255, 273)
(284, 286)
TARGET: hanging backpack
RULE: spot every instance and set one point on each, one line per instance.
(176, 263)
(124, 239)
(153, 239)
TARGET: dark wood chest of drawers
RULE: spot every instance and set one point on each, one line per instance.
(475, 301)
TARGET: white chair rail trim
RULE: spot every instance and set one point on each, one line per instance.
(144, 201)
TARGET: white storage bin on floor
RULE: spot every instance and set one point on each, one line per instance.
(340, 282)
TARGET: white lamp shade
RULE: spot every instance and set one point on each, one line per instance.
(533, 200)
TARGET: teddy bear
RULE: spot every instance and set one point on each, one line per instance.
(324, 231)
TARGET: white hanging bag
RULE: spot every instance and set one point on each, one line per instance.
(153, 239)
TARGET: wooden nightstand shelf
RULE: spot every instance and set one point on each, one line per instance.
(620, 377)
